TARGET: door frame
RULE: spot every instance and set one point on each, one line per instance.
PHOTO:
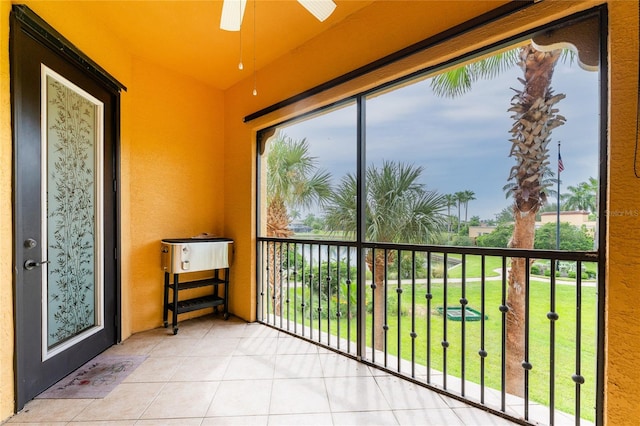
(23, 19)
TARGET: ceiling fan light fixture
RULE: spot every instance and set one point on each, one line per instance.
(321, 9)
(232, 13)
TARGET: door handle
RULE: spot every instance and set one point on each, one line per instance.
(29, 264)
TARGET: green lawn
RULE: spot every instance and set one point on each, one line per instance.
(539, 352)
(473, 266)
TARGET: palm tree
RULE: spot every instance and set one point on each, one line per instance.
(293, 181)
(450, 200)
(459, 201)
(548, 182)
(467, 196)
(582, 197)
(534, 118)
(399, 209)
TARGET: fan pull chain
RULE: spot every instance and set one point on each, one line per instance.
(255, 90)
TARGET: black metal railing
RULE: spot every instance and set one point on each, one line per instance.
(443, 317)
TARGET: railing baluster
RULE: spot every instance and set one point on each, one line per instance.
(303, 304)
(348, 300)
(274, 279)
(328, 280)
(527, 363)
(373, 304)
(413, 314)
(280, 273)
(399, 313)
(445, 342)
(260, 281)
(482, 352)
(338, 287)
(553, 317)
(286, 296)
(385, 319)
(295, 288)
(429, 296)
(311, 283)
(268, 298)
(319, 308)
(385, 294)
(577, 378)
(504, 309)
(463, 329)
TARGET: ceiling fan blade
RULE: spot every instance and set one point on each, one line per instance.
(232, 13)
(321, 9)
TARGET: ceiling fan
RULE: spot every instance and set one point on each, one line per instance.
(233, 11)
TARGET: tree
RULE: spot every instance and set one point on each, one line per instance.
(582, 197)
(459, 201)
(498, 238)
(293, 181)
(505, 216)
(571, 237)
(535, 116)
(399, 209)
(548, 182)
(450, 200)
(466, 197)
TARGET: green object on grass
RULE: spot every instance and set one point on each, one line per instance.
(454, 313)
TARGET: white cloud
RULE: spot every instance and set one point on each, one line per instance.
(462, 143)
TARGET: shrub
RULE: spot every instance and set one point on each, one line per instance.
(437, 270)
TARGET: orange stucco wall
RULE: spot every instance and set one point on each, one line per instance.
(176, 131)
(176, 178)
(623, 245)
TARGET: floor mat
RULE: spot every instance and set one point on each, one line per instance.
(95, 379)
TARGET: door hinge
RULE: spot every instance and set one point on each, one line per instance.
(115, 185)
(115, 253)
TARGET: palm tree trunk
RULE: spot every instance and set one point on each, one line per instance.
(379, 260)
(523, 236)
(534, 117)
(277, 226)
(466, 210)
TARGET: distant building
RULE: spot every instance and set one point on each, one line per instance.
(576, 218)
(482, 229)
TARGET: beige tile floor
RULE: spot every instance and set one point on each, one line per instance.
(217, 372)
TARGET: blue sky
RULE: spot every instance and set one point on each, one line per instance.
(462, 143)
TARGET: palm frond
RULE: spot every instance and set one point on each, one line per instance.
(458, 81)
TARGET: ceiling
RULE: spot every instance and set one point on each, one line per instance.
(185, 36)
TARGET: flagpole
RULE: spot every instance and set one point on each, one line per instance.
(560, 168)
